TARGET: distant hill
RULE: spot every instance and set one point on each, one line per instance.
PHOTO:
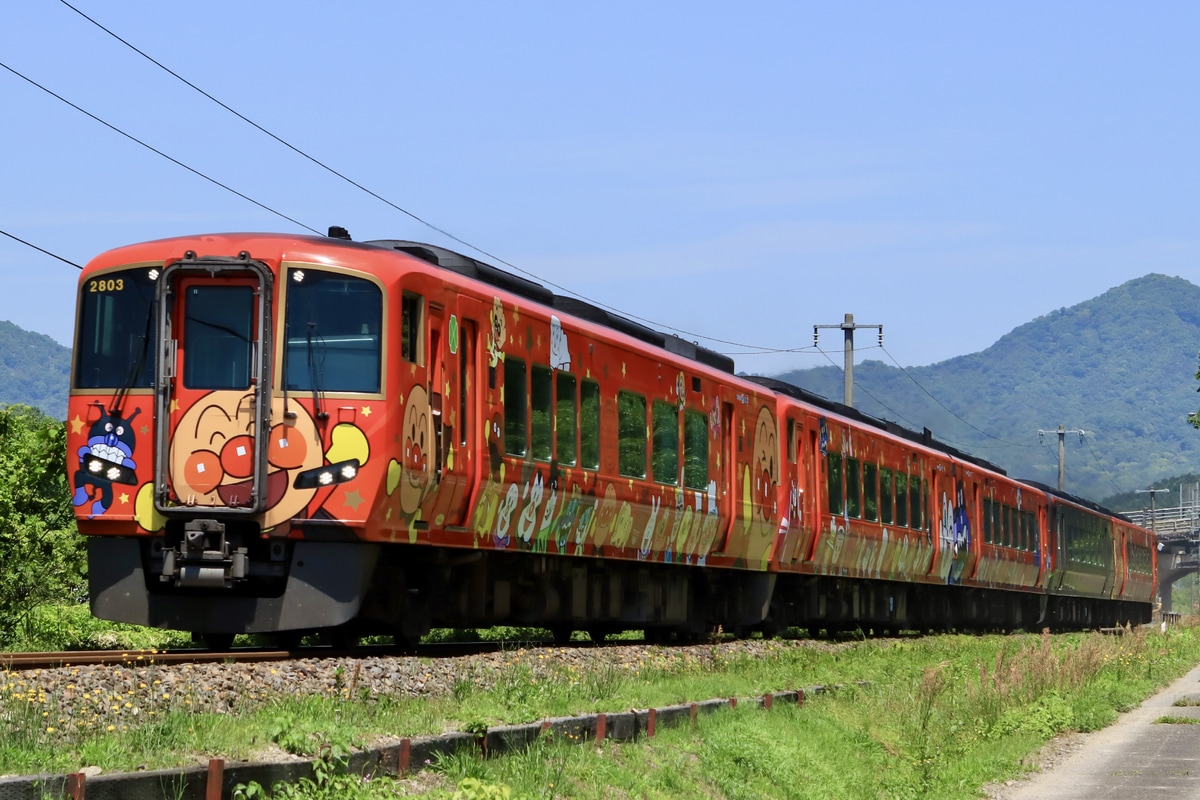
(1121, 367)
(34, 370)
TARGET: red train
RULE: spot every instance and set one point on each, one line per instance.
(275, 433)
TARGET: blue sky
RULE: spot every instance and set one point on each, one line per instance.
(947, 170)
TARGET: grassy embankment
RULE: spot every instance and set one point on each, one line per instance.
(933, 717)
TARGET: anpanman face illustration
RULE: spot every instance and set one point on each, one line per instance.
(766, 463)
(418, 446)
(212, 458)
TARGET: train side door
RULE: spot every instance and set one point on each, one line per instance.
(451, 390)
(214, 405)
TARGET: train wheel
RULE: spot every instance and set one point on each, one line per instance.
(561, 634)
(340, 638)
(217, 641)
(597, 634)
(288, 640)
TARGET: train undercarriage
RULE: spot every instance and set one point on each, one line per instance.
(295, 587)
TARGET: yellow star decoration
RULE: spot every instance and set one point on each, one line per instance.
(76, 425)
(145, 430)
(124, 498)
(354, 499)
(516, 315)
(366, 411)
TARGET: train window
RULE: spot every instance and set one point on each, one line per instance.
(1008, 526)
(1035, 539)
(885, 496)
(695, 450)
(218, 336)
(565, 418)
(116, 327)
(332, 327)
(631, 434)
(853, 488)
(870, 492)
(541, 398)
(916, 502)
(410, 328)
(836, 505)
(515, 396)
(901, 499)
(792, 444)
(589, 425)
(987, 520)
(664, 457)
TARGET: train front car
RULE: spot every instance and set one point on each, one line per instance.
(218, 431)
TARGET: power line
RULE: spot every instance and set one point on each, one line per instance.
(40, 249)
(156, 151)
(946, 407)
(406, 212)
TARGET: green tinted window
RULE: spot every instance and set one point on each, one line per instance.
(631, 434)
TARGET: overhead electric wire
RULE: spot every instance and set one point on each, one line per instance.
(947, 408)
(41, 249)
(1100, 464)
(155, 150)
(405, 211)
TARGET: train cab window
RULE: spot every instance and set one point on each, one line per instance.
(589, 425)
(834, 483)
(664, 457)
(885, 496)
(631, 434)
(332, 326)
(218, 337)
(870, 492)
(117, 326)
(541, 422)
(901, 499)
(695, 450)
(853, 488)
(515, 401)
(565, 418)
(411, 308)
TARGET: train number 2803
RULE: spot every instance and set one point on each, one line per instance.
(109, 285)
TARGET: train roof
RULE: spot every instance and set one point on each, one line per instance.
(480, 271)
(924, 438)
(1080, 501)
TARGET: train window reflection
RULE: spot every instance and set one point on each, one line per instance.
(116, 325)
(332, 328)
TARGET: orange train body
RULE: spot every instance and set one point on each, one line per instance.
(272, 433)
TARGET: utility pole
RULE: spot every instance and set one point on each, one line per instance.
(1062, 451)
(848, 327)
(1153, 510)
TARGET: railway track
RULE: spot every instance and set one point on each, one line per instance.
(18, 662)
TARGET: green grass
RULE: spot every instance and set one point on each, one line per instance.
(933, 717)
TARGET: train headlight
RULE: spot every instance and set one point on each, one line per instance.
(340, 472)
(109, 471)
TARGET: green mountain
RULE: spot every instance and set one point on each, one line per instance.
(34, 370)
(1121, 367)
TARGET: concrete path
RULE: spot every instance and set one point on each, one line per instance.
(1131, 759)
